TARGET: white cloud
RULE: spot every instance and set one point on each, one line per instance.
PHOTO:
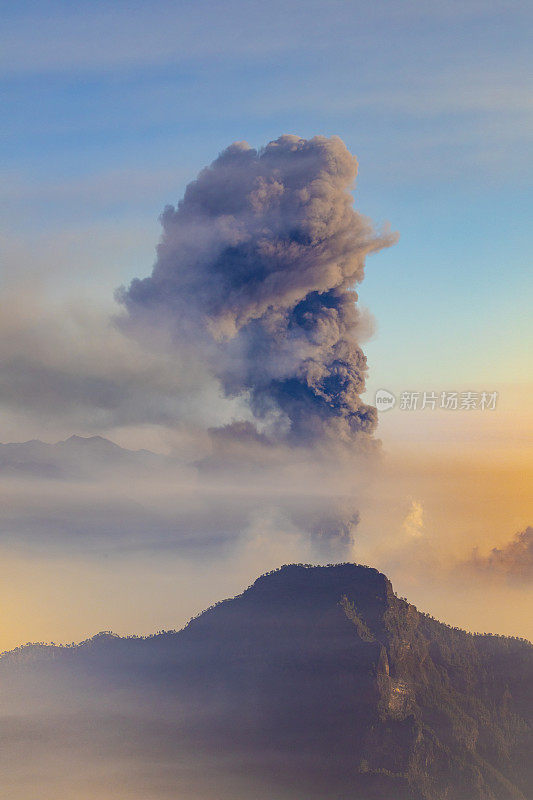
(413, 524)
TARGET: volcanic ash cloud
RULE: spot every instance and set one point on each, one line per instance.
(255, 272)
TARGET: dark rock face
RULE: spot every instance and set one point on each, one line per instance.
(315, 683)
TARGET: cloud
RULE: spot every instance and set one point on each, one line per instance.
(413, 524)
(256, 268)
(97, 38)
(514, 559)
(87, 495)
(65, 367)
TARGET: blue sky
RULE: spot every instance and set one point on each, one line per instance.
(110, 108)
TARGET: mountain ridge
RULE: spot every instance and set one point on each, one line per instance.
(315, 682)
(282, 569)
(75, 457)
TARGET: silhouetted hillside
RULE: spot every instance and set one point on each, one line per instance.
(316, 683)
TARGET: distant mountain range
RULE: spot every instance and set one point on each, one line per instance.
(76, 457)
(317, 683)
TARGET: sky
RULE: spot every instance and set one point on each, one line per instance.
(110, 110)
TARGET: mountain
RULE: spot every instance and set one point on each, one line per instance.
(76, 457)
(316, 683)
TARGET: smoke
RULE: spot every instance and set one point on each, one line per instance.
(514, 559)
(256, 268)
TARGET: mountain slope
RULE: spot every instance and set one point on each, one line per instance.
(314, 683)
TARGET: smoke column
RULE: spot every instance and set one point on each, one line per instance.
(256, 268)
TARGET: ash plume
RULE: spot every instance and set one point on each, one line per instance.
(257, 267)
